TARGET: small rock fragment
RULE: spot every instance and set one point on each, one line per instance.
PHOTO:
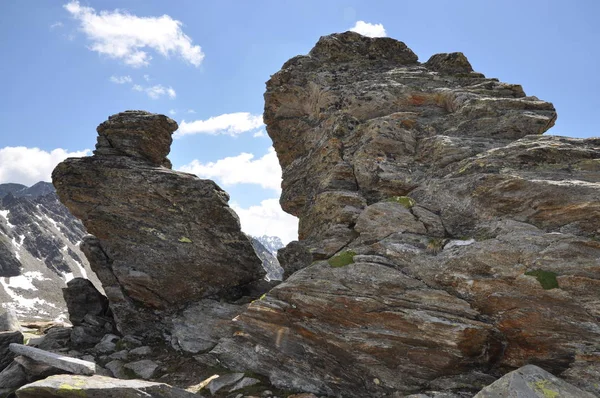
(225, 380)
(144, 368)
(73, 365)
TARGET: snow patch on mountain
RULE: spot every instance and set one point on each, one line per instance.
(4, 214)
(271, 243)
(39, 251)
(13, 287)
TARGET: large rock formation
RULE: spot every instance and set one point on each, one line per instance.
(461, 243)
(162, 239)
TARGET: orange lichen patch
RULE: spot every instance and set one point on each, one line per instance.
(417, 99)
(408, 123)
(444, 99)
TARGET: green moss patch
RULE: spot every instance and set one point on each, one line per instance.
(342, 259)
(546, 278)
(184, 239)
(403, 200)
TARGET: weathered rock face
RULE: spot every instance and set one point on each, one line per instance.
(461, 242)
(163, 239)
(359, 120)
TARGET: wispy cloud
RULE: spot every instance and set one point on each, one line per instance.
(56, 25)
(229, 124)
(258, 134)
(241, 169)
(120, 35)
(29, 165)
(156, 91)
(120, 79)
(173, 112)
(369, 29)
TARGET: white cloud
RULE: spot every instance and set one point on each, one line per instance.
(191, 111)
(228, 123)
(172, 112)
(120, 35)
(260, 133)
(156, 91)
(268, 219)
(147, 78)
(369, 29)
(121, 79)
(29, 165)
(56, 25)
(241, 169)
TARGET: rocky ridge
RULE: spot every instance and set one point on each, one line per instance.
(451, 242)
(39, 251)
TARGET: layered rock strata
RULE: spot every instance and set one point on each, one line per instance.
(162, 239)
(453, 241)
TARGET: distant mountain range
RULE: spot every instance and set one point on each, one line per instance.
(266, 248)
(271, 243)
(39, 251)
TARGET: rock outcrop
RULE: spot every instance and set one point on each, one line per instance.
(452, 241)
(162, 239)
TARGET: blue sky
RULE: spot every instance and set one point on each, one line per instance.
(66, 66)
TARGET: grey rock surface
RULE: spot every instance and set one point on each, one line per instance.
(6, 339)
(107, 345)
(243, 383)
(75, 386)
(73, 365)
(11, 378)
(294, 257)
(141, 351)
(143, 369)
(223, 381)
(82, 298)
(198, 328)
(531, 382)
(9, 321)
